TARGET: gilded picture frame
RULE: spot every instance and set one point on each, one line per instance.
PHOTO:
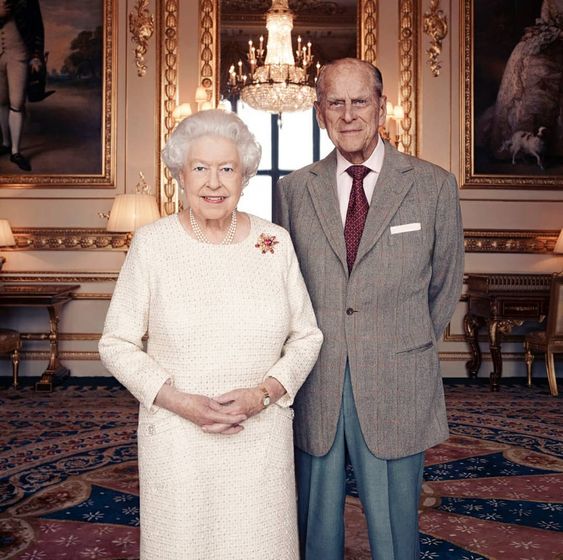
(69, 135)
(510, 137)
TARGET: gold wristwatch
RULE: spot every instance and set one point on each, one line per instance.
(266, 398)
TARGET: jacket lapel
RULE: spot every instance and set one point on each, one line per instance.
(322, 189)
(393, 184)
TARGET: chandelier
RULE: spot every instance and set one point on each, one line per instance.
(276, 81)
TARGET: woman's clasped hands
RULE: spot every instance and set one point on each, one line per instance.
(220, 415)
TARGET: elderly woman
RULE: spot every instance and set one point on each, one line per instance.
(231, 338)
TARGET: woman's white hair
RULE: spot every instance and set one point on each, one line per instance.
(214, 122)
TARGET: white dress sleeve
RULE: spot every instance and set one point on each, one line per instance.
(121, 345)
(304, 341)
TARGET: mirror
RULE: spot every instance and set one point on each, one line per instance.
(335, 28)
(330, 26)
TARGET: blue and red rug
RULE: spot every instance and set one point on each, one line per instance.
(69, 489)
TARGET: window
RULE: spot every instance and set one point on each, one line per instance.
(298, 142)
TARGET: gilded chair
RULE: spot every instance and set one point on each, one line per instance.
(550, 341)
(10, 343)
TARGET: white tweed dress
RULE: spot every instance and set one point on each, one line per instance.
(218, 317)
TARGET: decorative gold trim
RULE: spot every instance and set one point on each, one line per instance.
(486, 357)
(32, 277)
(68, 239)
(209, 14)
(436, 27)
(510, 241)
(78, 239)
(367, 34)
(408, 73)
(444, 356)
(92, 296)
(141, 27)
(106, 179)
(62, 336)
(168, 99)
(75, 356)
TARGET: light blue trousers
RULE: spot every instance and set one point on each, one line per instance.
(389, 491)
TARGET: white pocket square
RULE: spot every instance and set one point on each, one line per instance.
(415, 226)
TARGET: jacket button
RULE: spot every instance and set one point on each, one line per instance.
(350, 311)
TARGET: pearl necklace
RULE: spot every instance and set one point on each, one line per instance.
(202, 238)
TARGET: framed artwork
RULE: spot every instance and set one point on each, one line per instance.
(512, 94)
(66, 105)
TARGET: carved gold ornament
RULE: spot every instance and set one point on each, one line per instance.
(367, 15)
(510, 241)
(168, 70)
(141, 27)
(408, 77)
(436, 27)
(67, 239)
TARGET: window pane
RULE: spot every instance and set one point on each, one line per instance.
(259, 123)
(296, 140)
(257, 197)
(326, 145)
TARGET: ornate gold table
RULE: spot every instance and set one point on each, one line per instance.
(52, 297)
(501, 301)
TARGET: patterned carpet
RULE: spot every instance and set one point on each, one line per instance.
(68, 477)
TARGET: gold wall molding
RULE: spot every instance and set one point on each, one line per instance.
(92, 296)
(209, 48)
(367, 36)
(141, 27)
(464, 356)
(510, 241)
(168, 66)
(436, 27)
(47, 277)
(62, 336)
(84, 239)
(408, 73)
(444, 356)
(67, 239)
(74, 356)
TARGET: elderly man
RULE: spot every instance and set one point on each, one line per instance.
(380, 242)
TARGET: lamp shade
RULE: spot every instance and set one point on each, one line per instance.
(6, 235)
(131, 211)
(181, 112)
(559, 243)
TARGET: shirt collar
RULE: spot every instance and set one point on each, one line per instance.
(374, 162)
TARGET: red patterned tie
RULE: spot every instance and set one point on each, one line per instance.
(356, 214)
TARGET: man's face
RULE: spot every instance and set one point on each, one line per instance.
(351, 111)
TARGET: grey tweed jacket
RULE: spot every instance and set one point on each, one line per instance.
(386, 316)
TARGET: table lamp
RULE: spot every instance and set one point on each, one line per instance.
(6, 238)
(131, 211)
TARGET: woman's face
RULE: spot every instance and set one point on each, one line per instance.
(212, 178)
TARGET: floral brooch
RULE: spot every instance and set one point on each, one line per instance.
(266, 243)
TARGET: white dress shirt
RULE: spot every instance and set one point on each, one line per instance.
(344, 181)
